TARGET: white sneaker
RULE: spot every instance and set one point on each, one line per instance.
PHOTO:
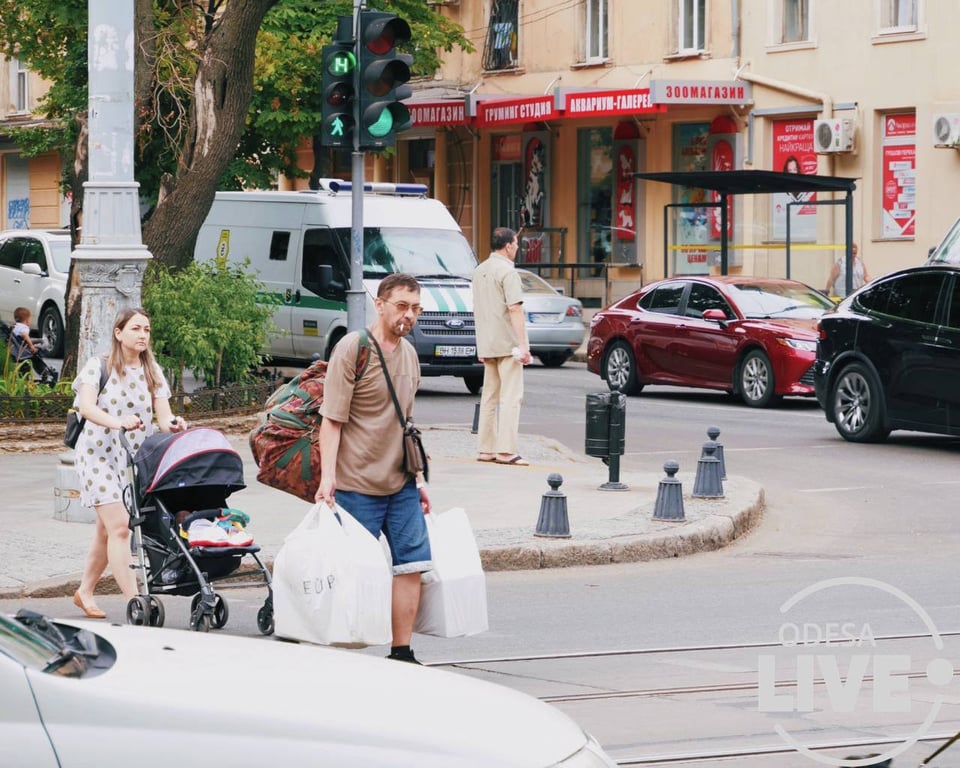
(206, 533)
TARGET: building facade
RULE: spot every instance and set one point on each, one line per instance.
(542, 127)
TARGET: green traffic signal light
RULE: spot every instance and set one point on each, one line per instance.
(341, 63)
(382, 126)
(381, 77)
(338, 73)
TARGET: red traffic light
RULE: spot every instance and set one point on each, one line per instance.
(383, 32)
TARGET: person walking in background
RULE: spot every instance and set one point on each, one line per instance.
(361, 446)
(134, 392)
(502, 347)
(837, 281)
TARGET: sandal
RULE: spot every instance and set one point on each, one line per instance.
(516, 460)
(491, 460)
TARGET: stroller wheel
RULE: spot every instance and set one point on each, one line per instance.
(138, 611)
(221, 612)
(157, 613)
(265, 620)
(199, 620)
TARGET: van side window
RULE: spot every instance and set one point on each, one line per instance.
(279, 245)
(320, 249)
(10, 253)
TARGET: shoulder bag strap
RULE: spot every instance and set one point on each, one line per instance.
(386, 375)
(104, 375)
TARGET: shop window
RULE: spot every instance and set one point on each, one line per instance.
(691, 25)
(500, 49)
(596, 31)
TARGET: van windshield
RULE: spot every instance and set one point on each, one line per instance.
(434, 252)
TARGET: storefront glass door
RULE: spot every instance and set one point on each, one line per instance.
(506, 186)
(594, 198)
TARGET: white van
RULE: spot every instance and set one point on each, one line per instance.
(298, 243)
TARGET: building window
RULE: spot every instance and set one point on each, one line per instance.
(795, 21)
(19, 82)
(596, 47)
(500, 50)
(691, 25)
(899, 15)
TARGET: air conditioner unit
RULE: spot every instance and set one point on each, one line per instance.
(833, 135)
(946, 130)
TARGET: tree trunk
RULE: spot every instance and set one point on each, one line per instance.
(223, 89)
(76, 171)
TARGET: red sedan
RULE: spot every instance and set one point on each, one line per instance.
(751, 336)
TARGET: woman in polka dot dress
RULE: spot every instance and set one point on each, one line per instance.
(134, 393)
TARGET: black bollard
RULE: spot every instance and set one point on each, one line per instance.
(476, 420)
(713, 433)
(707, 484)
(553, 521)
(669, 504)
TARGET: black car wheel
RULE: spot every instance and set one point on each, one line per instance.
(620, 369)
(553, 359)
(756, 379)
(474, 383)
(51, 329)
(856, 404)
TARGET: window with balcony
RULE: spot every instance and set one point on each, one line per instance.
(596, 31)
(691, 26)
(500, 49)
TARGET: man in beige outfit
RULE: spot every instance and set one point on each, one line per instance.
(502, 347)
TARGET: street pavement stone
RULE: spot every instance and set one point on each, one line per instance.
(43, 556)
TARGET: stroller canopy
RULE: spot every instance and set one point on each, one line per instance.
(199, 457)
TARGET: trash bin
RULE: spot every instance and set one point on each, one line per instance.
(605, 424)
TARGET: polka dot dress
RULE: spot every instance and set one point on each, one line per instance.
(99, 457)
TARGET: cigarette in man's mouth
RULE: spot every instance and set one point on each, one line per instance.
(402, 326)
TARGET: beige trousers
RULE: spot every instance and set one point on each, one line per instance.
(500, 405)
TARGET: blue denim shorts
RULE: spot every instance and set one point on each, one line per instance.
(400, 517)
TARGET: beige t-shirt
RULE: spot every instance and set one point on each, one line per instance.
(496, 287)
(370, 458)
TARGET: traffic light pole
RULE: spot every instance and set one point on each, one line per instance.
(356, 295)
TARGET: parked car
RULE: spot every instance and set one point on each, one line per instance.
(751, 336)
(555, 327)
(889, 356)
(33, 273)
(82, 693)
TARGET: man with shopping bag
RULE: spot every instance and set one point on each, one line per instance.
(361, 446)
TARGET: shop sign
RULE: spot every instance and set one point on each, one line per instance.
(437, 113)
(512, 111)
(507, 149)
(612, 103)
(701, 91)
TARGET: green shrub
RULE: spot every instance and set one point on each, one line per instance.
(210, 318)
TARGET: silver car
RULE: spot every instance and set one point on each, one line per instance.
(33, 273)
(555, 326)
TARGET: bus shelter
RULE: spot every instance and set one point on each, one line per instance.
(725, 184)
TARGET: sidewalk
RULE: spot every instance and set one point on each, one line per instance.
(43, 556)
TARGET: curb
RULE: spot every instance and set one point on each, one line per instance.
(711, 532)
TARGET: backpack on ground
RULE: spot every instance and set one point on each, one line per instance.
(285, 441)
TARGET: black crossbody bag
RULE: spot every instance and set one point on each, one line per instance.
(75, 424)
(414, 455)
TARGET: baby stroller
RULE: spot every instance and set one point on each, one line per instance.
(176, 479)
(20, 354)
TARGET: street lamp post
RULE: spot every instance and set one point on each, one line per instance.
(111, 257)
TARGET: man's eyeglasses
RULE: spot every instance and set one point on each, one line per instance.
(404, 307)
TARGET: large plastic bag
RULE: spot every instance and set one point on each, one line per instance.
(453, 599)
(331, 584)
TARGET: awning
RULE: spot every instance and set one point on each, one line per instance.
(753, 182)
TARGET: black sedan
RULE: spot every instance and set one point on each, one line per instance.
(889, 356)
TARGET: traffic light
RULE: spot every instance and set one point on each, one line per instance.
(381, 75)
(339, 90)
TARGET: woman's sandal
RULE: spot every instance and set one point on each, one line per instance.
(91, 612)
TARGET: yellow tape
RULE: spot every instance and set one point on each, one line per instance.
(771, 246)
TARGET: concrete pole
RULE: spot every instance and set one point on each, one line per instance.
(111, 257)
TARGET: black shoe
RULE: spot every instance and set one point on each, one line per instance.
(405, 656)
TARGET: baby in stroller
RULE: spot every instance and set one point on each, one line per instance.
(22, 347)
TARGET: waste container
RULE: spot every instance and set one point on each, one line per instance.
(605, 424)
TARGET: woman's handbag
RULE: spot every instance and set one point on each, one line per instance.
(75, 422)
(414, 454)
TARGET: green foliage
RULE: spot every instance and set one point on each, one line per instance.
(209, 318)
(22, 397)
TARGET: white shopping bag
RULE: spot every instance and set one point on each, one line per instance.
(453, 598)
(330, 583)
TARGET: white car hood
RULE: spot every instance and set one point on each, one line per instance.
(243, 702)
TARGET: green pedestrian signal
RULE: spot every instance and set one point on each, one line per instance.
(338, 89)
(382, 74)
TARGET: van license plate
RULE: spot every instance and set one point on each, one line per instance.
(454, 351)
